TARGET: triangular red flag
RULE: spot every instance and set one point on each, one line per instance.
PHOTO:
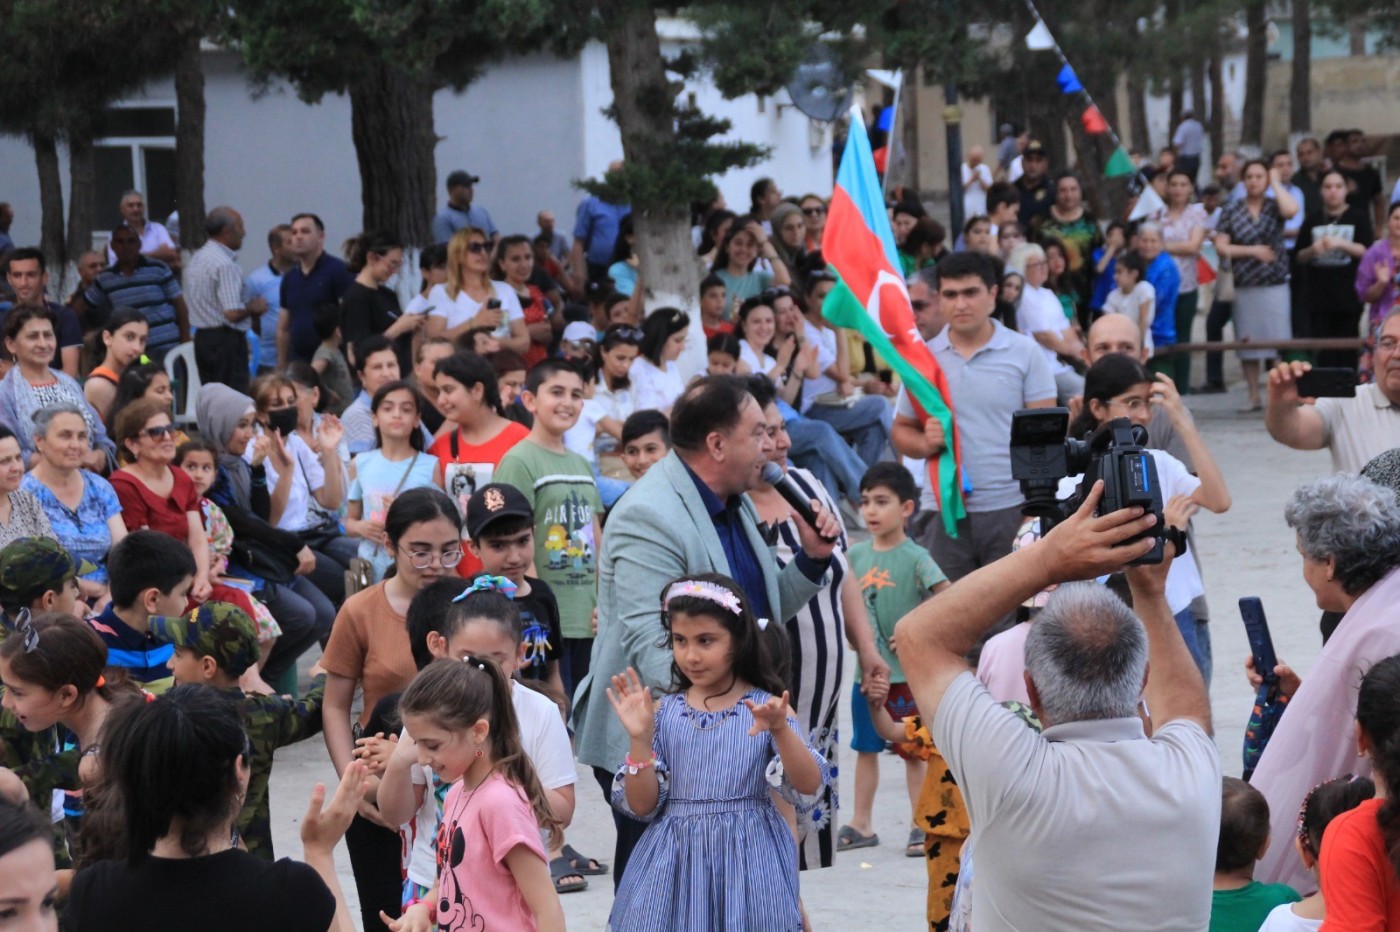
(1093, 121)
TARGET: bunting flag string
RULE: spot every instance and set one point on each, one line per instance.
(1040, 39)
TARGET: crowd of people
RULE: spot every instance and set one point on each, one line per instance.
(518, 531)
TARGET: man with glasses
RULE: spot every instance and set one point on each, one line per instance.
(214, 293)
(1356, 429)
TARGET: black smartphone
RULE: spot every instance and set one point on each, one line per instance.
(494, 304)
(1256, 628)
(282, 420)
(1327, 382)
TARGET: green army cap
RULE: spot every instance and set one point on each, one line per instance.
(214, 629)
(31, 566)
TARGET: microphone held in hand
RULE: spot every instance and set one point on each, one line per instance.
(792, 494)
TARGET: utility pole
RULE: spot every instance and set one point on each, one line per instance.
(952, 120)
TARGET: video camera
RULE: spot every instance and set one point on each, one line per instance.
(1042, 455)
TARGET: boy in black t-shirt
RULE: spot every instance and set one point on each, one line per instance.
(501, 528)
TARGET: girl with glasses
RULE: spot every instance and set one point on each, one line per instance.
(369, 649)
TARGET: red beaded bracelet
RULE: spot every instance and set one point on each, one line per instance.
(632, 768)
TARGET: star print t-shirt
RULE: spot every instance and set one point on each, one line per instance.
(479, 828)
(892, 583)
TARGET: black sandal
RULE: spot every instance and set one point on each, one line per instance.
(559, 871)
(583, 865)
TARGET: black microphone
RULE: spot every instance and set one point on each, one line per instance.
(792, 494)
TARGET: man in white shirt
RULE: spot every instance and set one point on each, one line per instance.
(1085, 825)
(976, 179)
(1355, 429)
(156, 242)
(1188, 141)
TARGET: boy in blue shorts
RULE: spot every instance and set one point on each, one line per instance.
(895, 575)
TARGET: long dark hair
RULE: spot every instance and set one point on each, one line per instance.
(21, 823)
(612, 337)
(470, 369)
(414, 506)
(415, 437)
(176, 758)
(740, 225)
(456, 694)
(378, 242)
(133, 384)
(70, 653)
(752, 660)
(709, 237)
(1106, 379)
(660, 325)
(304, 374)
(1378, 715)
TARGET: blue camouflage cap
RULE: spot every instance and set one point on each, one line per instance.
(214, 629)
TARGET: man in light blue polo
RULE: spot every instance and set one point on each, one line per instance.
(460, 212)
(992, 372)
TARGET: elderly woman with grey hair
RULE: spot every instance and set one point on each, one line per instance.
(1348, 530)
(82, 507)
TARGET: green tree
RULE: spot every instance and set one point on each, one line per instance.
(390, 57)
(65, 61)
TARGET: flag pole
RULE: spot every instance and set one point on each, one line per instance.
(890, 142)
(1059, 53)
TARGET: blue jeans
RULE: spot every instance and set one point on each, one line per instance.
(866, 424)
(1190, 630)
(819, 449)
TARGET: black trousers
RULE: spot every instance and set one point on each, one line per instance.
(221, 355)
(629, 831)
(1220, 314)
(374, 858)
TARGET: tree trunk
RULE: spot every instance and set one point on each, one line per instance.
(82, 200)
(1255, 73)
(1137, 112)
(1217, 105)
(50, 200)
(1198, 86)
(1300, 91)
(189, 141)
(1356, 36)
(1177, 101)
(391, 122)
(669, 272)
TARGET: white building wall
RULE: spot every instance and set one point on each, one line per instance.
(529, 127)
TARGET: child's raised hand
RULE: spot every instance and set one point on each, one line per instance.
(375, 751)
(321, 828)
(633, 704)
(771, 716)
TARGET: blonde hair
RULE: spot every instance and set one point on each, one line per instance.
(457, 260)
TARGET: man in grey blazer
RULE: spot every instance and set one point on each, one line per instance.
(688, 514)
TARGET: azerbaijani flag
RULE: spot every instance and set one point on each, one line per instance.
(870, 297)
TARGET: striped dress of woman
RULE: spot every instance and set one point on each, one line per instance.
(818, 636)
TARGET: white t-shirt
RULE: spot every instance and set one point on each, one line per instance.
(1016, 170)
(1131, 304)
(579, 438)
(1038, 312)
(748, 357)
(655, 389)
(464, 308)
(1184, 578)
(307, 478)
(975, 197)
(1282, 918)
(824, 340)
(546, 744)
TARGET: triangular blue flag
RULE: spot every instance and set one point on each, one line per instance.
(886, 120)
(1068, 81)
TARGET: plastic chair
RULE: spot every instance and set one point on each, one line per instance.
(254, 354)
(186, 388)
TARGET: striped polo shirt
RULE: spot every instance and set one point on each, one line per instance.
(137, 652)
(151, 289)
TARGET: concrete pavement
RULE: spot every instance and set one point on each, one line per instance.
(1247, 551)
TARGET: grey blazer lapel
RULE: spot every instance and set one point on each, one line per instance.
(694, 506)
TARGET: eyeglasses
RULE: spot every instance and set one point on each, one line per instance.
(581, 344)
(1037, 264)
(1389, 344)
(422, 559)
(772, 294)
(920, 304)
(24, 627)
(814, 211)
(622, 334)
(162, 430)
(476, 248)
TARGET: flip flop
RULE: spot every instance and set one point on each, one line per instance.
(915, 846)
(559, 871)
(848, 839)
(582, 864)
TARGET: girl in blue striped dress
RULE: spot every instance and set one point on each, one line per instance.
(718, 854)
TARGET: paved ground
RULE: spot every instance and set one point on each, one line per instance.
(1248, 551)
